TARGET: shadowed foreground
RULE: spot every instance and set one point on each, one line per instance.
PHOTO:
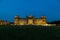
(29, 33)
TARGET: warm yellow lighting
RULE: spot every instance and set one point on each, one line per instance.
(30, 21)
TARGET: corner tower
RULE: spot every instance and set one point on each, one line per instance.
(43, 18)
(16, 20)
(30, 20)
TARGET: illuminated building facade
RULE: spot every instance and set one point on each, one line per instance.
(4, 22)
(30, 20)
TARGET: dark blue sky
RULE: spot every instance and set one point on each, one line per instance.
(49, 8)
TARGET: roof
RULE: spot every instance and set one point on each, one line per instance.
(17, 17)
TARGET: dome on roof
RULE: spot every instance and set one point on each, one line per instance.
(43, 17)
(30, 16)
(17, 17)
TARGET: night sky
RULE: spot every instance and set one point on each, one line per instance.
(37, 8)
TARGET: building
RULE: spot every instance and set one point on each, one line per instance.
(30, 20)
(4, 22)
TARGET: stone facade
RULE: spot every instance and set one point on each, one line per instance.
(29, 20)
(4, 22)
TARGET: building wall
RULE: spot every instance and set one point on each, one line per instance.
(16, 21)
(21, 22)
(30, 21)
(4, 22)
(38, 22)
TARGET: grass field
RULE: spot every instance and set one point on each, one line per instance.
(29, 33)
